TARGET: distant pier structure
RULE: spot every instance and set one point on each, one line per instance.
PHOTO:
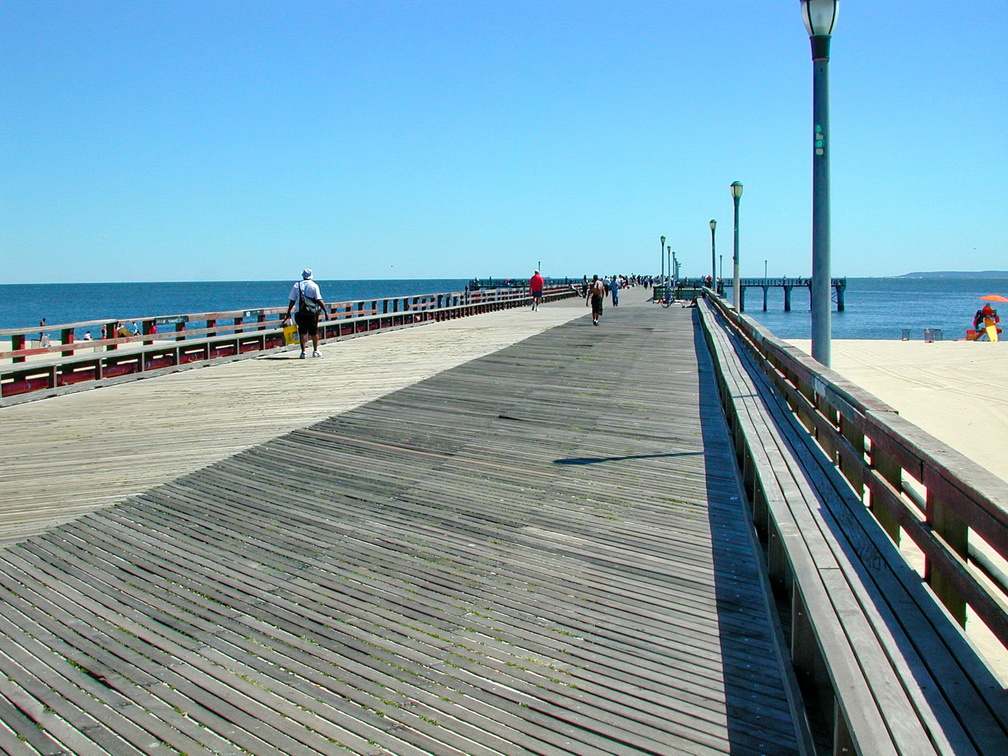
(838, 286)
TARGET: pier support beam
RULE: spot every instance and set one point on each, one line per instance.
(787, 298)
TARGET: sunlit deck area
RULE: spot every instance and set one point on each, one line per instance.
(541, 550)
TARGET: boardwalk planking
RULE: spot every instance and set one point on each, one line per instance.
(540, 551)
(71, 454)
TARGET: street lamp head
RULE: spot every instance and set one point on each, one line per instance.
(713, 224)
(820, 16)
(736, 189)
(663, 241)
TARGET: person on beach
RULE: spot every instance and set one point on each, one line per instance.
(984, 316)
(596, 293)
(306, 297)
(536, 289)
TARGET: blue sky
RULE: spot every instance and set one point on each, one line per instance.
(160, 141)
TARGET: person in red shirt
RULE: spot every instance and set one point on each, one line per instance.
(596, 293)
(536, 289)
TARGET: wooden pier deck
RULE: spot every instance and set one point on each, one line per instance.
(543, 550)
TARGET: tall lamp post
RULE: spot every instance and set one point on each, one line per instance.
(820, 17)
(671, 270)
(736, 193)
(713, 264)
(661, 253)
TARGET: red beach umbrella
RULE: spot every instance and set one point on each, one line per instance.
(994, 298)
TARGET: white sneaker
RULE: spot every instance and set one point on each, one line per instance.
(316, 353)
(302, 355)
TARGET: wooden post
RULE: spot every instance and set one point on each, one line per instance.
(955, 533)
(18, 342)
(856, 439)
(893, 473)
(67, 337)
(109, 330)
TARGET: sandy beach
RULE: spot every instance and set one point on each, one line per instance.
(955, 390)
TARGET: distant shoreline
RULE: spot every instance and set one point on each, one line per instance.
(957, 274)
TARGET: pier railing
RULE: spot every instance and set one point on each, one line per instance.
(954, 510)
(837, 285)
(37, 368)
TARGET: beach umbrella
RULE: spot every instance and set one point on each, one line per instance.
(994, 298)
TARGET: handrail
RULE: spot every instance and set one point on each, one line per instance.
(241, 321)
(175, 350)
(880, 453)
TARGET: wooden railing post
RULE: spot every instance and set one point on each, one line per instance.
(67, 337)
(17, 343)
(856, 439)
(955, 533)
(893, 473)
(109, 332)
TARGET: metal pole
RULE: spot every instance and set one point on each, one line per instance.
(713, 265)
(821, 325)
(736, 293)
(661, 253)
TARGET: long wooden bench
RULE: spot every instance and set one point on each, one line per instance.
(883, 667)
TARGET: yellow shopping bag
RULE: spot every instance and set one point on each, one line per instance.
(290, 334)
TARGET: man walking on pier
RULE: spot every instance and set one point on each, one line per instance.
(536, 289)
(305, 294)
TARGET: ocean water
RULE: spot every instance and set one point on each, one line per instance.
(876, 308)
(26, 304)
(881, 308)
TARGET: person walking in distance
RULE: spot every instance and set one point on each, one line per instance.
(536, 290)
(307, 298)
(596, 293)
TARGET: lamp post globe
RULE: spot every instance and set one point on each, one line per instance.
(820, 17)
(736, 193)
(713, 256)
